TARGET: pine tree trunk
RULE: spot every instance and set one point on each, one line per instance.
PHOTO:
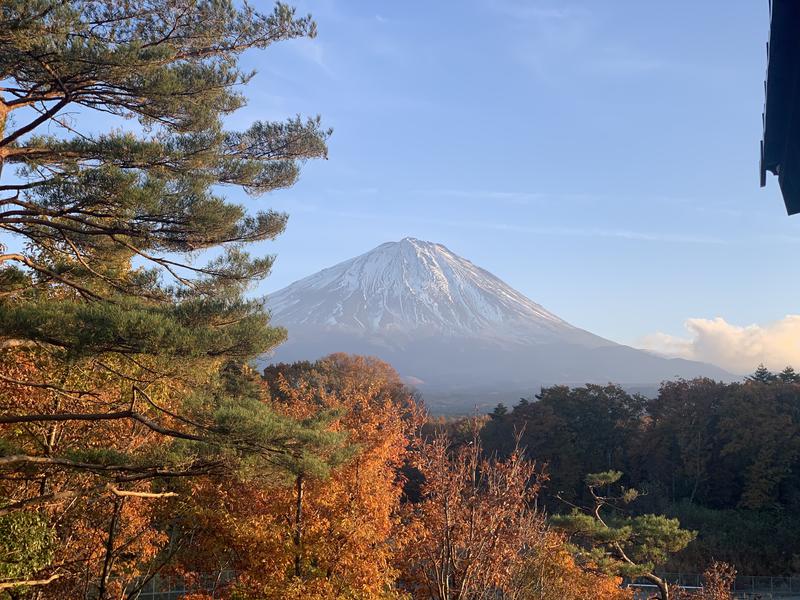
(663, 586)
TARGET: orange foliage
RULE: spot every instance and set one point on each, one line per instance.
(340, 543)
(475, 532)
(549, 572)
(83, 509)
(472, 525)
(308, 536)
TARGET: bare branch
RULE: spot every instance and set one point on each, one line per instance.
(126, 493)
(28, 582)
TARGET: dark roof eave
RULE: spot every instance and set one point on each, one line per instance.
(780, 147)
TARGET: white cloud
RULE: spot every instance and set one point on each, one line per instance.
(736, 348)
(314, 52)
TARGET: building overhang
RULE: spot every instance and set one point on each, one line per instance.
(780, 147)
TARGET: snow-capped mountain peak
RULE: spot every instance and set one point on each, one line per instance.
(412, 287)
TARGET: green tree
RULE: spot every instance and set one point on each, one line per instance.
(499, 411)
(760, 436)
(762, 375)
(617, 543)
(789, 375)
(681, 445)
(26, 546)
(574, 430)
(124, 316)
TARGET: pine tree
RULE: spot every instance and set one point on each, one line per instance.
(762, 375)
(124, 319)
(789, 375)
(499, 411)
(617, 543)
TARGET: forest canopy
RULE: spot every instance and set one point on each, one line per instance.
(722, 457)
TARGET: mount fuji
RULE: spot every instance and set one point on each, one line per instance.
(454, 330)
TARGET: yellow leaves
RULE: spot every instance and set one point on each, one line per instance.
(343, 536)
(348, 520)
(40, 382)
(550, 573)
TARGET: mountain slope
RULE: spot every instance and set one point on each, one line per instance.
(448, 325)
(412, 288)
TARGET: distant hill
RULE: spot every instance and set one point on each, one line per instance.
(454, 330)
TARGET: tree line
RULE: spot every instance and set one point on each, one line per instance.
(723, 457)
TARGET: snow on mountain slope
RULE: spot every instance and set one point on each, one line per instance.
(411, 288)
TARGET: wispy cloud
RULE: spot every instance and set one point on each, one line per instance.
(359, 191)
(504, 196)
(536, 10)
(614, 63)
(642, 236)
(734, 347)
(529, 196)
(624, 234)
(780, 238)
(556, 37)
(314, 52)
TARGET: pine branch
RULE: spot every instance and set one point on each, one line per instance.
(48, 114)
(112, 416)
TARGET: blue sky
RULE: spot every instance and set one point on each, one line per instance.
(599, 156)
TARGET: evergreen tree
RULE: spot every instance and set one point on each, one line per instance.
(575, 430)
(124, 320)
(499, 411)
(762, 375)
(789, 375)
(617, 543)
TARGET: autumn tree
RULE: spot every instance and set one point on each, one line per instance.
(465, 538)
(759, 435)
(548, 571)
(124, 319)
(615, 542)
(718, 581)
(724, 458)
(326, 535)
